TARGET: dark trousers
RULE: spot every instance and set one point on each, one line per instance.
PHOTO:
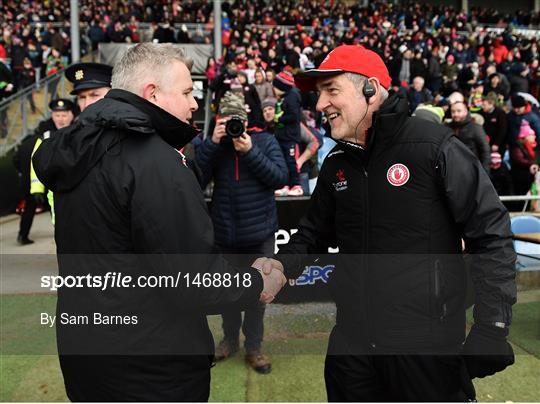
(253, 324)
(27, 217)
(391, 378)
(291, 153)
(141, 378)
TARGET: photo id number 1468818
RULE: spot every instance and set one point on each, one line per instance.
(217, 280)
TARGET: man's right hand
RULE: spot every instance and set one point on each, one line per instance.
(219, 130)
(273, 283)
(273, 277)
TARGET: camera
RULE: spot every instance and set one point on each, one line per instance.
(235, 126)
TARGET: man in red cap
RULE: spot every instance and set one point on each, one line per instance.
(396, 195)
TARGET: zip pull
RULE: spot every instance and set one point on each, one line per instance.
(365, 172)
(236, 168)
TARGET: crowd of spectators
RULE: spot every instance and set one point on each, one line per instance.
(432, 51)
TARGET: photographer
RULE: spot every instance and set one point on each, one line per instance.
(246, 165)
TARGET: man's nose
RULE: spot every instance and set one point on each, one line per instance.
(322, 103)
(194, 106)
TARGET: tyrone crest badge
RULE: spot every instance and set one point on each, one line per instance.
(398, 175)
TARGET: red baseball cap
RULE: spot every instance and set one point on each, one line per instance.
(343, 59)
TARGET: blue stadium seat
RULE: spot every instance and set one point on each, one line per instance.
(525, 224)
(528, 253)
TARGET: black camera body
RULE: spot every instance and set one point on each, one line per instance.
(234, 127)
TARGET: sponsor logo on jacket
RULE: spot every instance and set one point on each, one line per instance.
(341, 184)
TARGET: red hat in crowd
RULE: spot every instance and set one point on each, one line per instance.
(343, 59)
(284, 81)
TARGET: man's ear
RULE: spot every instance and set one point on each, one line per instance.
(149, 92)
(374, 82)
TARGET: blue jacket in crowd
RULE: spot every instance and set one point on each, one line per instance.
(243, 206)
(289, 130)
(514, 124)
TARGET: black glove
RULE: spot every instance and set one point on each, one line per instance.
(486, 350)
(40, 199)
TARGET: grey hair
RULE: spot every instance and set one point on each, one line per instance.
(146, 60)
(359, 82)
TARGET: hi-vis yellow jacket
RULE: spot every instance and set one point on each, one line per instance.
(36, 186)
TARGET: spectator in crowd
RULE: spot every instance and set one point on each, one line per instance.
(494, 86)
(164, 33)
(18, 54)
(523, 155)
(287, 129)
(96, 34)
(251, 68)
(32, 190)
(500, 175)
(269, 113)
(212, 69)
(252, 100)
(450, 73)
(522, 110)
(243, 212)
(310, 142)
(417, 94)
(495, 122)
(28, 78)
(434, 72)
(118, 32)
(470, 133)
(468, 77)
(7, 88)
(476, 97)
(54, 63)
(263, 87)
(110, 171)
(222, 83)
(500, 85)
(405, 73)
(270, 76)
(519, 81)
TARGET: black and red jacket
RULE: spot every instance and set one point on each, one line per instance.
(397, 211)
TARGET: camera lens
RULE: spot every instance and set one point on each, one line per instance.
(234, 127)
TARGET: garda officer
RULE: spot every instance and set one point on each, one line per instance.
(62, 115)
(91, 82)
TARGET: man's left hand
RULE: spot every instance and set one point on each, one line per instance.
(486, 350)
(242, 144)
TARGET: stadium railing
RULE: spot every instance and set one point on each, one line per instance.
(16, 117)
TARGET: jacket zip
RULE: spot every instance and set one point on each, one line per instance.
(365, 272)
(440, 305)
(236, 168)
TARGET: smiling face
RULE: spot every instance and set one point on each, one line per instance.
(344, 106)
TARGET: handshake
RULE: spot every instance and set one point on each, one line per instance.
(273, 278)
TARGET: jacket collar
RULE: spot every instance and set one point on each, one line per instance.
(387, 121)
(171, 129)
